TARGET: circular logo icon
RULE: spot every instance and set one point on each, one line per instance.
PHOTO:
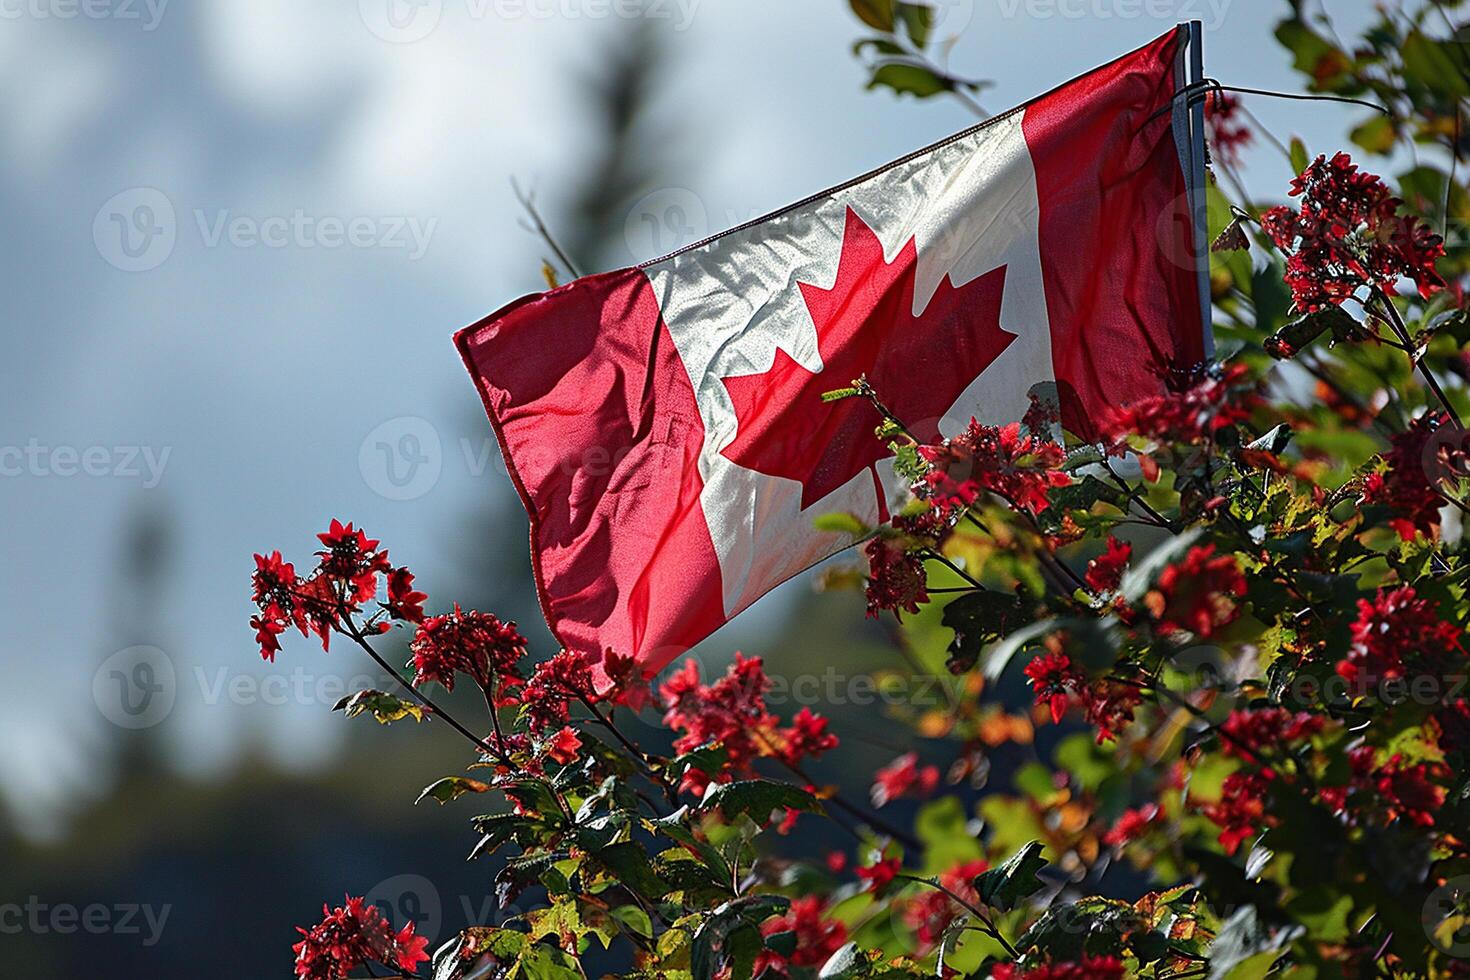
(136, 229)
(1446, 455)
(665, 221)
(401, 21)
(410, 898)
(1206, 669)
(135, 688)
(402, 458)
(1446, 917)
(950, 17)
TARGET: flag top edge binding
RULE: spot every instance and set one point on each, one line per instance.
(1182, 30)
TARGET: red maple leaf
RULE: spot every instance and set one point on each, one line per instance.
(865, 324)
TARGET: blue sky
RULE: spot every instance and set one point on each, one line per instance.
(340, 205)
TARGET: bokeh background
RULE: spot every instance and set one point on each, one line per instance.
(238, 235)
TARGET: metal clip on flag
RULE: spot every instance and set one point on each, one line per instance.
(664, 426)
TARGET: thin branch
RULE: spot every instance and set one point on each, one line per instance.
(539, 227)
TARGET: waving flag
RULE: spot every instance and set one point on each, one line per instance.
(663, 424)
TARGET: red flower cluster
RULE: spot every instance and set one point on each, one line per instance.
(1132, 824)
(1248, 731)
(1057, 684)
(880, 874)
(733, 712)
(352, 935)
(1394, 631)
(345, 577)
(1192, 413)
(817, 938)
(904, 777)
(1348, 234)
(1087, 968)
(1241, 810)
(1228, 132)
(932, 911)
(473, 643)
(1198, 594)
(1106, 570)
(1405, 486)
(896, 577)
(1395, 789)
(1020, 468)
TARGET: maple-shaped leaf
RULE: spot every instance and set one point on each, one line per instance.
(866, 325)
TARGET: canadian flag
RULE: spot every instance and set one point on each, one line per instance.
(664, 424)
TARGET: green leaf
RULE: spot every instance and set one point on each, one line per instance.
(1429, 62)
(979, 618)
(1376, 135)
(758, 799)
(385, 708)
(877, 14)
(1004, 888)
(633, 919)
(1300, 159)
(915, 80)
(840, 522)
(451, 788)
(918, 20)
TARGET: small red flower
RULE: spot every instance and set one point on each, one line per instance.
(1022, 469)
(1192, 412)
(351, 936)
(1106, 570)
(807, 737)
(880, 874)
(896, 578)
(564, 746)
(1229, 134)
(1132, 824)
(1348, 234)
(1405, 486)
(1241, 810)
(904, 777)
(1248, 731)
(403, 601)
(1087, 968)
(473, 643)
(1198, 594)
(1395, 630)
(817, 937)
(1054, 680)
(351, 557)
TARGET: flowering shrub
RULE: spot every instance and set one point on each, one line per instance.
(1229, 637)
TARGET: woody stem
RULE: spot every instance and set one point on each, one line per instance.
(1397, 323)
